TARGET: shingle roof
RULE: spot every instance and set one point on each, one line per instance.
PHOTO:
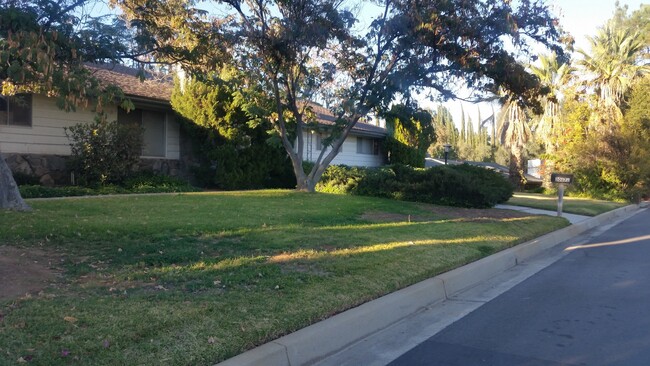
(326, 117)
(155, 88)
(159, 88)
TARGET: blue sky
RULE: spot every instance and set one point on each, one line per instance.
(582, 17)
(578, 17)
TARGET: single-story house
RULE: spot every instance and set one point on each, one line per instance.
(32, 128)
(362, 147)
(34, 143)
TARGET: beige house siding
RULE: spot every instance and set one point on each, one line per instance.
(347, 156)
(47, 135)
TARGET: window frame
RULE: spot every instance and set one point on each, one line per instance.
(367, 146)
(28, 108)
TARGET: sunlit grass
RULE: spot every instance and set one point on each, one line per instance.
(575, 205)
(197, 278)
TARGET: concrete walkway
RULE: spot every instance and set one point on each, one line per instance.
(573, 218)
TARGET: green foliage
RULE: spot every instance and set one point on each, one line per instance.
(231, 135)
(341, 179)
(141, 183)
(610, 164)
(37, 191)
(104, 152)
(412, 133)
(148, 182)
(461, 185)
(468, 144)
(356, 72)
(241, 268)
(43, 47)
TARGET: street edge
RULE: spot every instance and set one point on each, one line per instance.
(320, 340)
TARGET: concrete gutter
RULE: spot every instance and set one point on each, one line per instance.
(320, 340)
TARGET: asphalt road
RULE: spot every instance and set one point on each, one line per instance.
(592, 307)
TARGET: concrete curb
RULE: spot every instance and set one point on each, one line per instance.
(318, 341)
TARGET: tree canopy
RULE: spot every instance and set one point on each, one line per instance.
(43, 47)
(313, 50)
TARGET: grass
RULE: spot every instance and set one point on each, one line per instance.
(198, 278)
(574, 205)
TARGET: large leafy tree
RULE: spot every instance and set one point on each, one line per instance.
(43, 47)
(311, 50)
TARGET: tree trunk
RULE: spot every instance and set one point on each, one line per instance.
(10, 198)
(548, 167)
(307, 182)
(516, 171)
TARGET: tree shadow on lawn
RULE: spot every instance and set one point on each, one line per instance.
(242, 297)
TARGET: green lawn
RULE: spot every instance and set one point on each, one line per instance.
(580, 206)
(198, 278)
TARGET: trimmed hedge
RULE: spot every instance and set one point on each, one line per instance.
(144, 183)
(459, 185)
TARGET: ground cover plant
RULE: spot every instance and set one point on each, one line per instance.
(575, 205)
(198, 278)
(141, 183)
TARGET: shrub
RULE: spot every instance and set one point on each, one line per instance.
(462, 186)
(148, 182)
(104, 152)
(340, 179)
(142, 183)
(36, 191)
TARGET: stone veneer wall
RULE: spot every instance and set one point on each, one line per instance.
(52, 170)
(49, 170)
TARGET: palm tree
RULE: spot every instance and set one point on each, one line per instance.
(612, 67)
(555, 77)
(514, 132)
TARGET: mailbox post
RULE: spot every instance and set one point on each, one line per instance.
(561, 180)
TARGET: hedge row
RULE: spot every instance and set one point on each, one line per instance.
(144, 183)
(458, 185)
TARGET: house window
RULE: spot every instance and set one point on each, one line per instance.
(367, 146)
(319, 143)
(153, 123)
(16, 110)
